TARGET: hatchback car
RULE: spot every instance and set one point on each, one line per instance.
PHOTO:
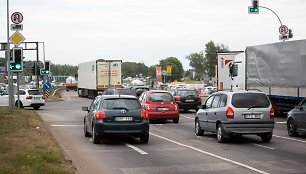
(236, 113)
(159, 105)
(186, 99)
(116, 115)
(119, 91)
(296, 119)
(140, 89)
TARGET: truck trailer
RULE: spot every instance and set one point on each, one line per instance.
(96, 76)
(277, 69)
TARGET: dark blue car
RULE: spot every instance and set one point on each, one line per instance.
(296, 120)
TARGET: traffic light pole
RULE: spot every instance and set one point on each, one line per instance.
(37, 59)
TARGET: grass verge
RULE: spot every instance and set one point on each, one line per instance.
(27, 146)
(57, 94)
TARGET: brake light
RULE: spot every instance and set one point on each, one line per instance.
(29, 97)
(101, 115)
(230, 113)
(272, 113)
(144, 115)
(177, 98)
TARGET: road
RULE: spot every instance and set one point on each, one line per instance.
(172, 148)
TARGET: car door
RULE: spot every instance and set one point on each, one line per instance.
(300, 115)
(212, 115)
(203, 113)
(91, 113)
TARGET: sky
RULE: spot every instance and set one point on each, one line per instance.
(146, 31)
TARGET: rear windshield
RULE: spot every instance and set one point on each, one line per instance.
(186, 93)
(161, 97)
(121, 104)
(34, 92)
(250, 100)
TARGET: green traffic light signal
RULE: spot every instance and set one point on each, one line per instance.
(17, 64)
(254, 10)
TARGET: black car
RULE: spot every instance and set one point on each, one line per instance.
(116, 115)
(296, 119)
(186, 99)
(119, 91)
(140, 89)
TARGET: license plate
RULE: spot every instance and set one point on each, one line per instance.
(36, 98)
(252, 116)
(124, 119)
(189, 100)
(163, 109)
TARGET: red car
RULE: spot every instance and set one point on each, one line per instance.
(160, 105)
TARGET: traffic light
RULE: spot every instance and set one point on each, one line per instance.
(290, 35)
(46, 70)
(35, 69)
(254, 9)
(16, 65)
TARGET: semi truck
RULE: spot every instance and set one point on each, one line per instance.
(277, 69)
(71, 84)
(96, 76)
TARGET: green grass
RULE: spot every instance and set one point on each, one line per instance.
(26, 145)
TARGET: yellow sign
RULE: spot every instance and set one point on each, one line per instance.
(17, 38)
(169, 69)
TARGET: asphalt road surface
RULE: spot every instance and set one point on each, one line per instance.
(172, 148)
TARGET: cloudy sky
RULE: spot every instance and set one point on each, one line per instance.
(75, 31)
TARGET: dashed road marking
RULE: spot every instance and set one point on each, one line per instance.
(281, 122)
(66, 125)
(287, 138)
(271, 148)
(188, 117)
(137, 149)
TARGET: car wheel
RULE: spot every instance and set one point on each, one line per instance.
(144, 138)
(36, 107)
(197, 128)
(176, 120)
(86, 133)
(291, 127)
(266, 137)
(220, 134)
(16, 104)
(95, 137)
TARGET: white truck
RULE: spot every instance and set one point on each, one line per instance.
(278, 69)
(96, 76)
(71, 84)
(225, 59)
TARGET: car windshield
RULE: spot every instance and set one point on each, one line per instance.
(121, 103)
(125, 92)
(34, 92)
(185, 93)
(161, 97)
(250, 100)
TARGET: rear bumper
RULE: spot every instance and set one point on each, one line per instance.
(188, 105)
(244, 128)
(164, 115)
(37, 104)
(136, 129)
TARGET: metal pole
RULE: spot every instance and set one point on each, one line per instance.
(37, 59)
(18, 95)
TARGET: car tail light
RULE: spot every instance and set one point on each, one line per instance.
(175, 107)
(101, 115)
(230, 113)
(29, 97)
(144, 115)
(177, 98)
(272, 113)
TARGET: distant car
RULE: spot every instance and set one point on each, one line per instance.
(296, 119)
(236, 113)
(160, 105)
(186, 99)
(116, 115)
(210, 89)
(119, 91)
(28, 98)
(140, 89)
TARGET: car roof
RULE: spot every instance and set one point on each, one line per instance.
(118, 96)
(238, 91)
(157, 91)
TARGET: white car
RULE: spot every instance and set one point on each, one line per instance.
(28, 98)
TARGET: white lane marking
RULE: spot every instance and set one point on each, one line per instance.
(137, 149)
(188, 117)
(271, 148)
(290, 138)
(281, 122)
(55, 91)
(65, 125)
(211, 154)
(90, 139)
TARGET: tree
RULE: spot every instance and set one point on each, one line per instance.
(131, 69)
(177, 67)
(197, 62)
(152, 71)
(210, 57)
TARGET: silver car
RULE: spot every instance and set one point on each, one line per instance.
(235, 113)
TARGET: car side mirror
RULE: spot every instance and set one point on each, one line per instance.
(85, 109)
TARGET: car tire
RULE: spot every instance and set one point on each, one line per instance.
(221, 135)
(95, 137)
(16, 104)
(197, 128)
(291, 127)
(36, 107)
(86, 133)
(144, 139)
(176, 120)
(266, 137)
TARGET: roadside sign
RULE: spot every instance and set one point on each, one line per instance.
(47, 85)
(164, 72)
(17, 38)
(17, 27)
(17, 18)
(283, 30)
